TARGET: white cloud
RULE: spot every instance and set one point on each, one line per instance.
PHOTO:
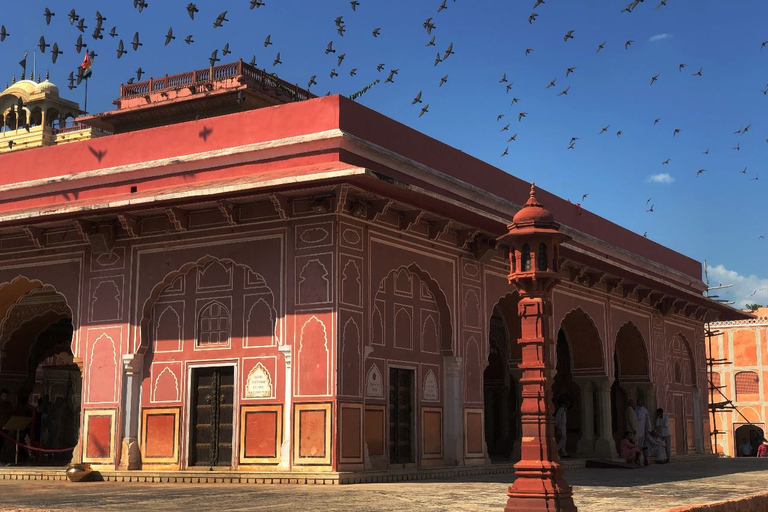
(746, 289)
(659, 37)
(663, 177)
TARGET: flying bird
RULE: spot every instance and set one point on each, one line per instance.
(191, 10)
(521, 115)
(628, 44)
(225, 51)
(675, 131)
(604, 129)
(3, 33)
(736, 147)
(135, 44)
(569, 71)
(417, 99)
(139, 72)
(424, 110)
(277, 60)
(443, 80)
(353, 72)
(506, 151)
(654, 78)
(121, 49)
(169, 36)
(73, 17)
(538, 3)
(662, 3)
(505, 128)
(189, 39)
(42, 44)
(503, 78)
(329, 48)
(619, 133)
(431, 41)
(214, 58)
(354, 4)
(113, 32)
(527, 51)
(438, 60)
(448, 51)
(48, 15)
(79, 45)
(333, 73)
(552, 83)
(656, 121)
(600, 46)
(532, 18)
(512, 138)
(705, 152)
(442, 6)
(55, 52)
(81, 25)
(376, 32)
(650, 210)
(568, 35)
(665, 162)
(220, 19)
(312, 81)
(698, 73)
(681, 66)
(700, 171)
(564, 91)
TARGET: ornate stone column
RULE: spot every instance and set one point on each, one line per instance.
(130, 455)
(516, 374)
(285, 448)
(605, 446)
(454, 405)
(535, 238)
(586, 445)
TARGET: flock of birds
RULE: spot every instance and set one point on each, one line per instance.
(97, 27)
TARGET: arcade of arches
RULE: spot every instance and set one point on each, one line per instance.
(38, 370)
(216, 362)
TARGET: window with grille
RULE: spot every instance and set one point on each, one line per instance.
(213, 326)
(747, 386)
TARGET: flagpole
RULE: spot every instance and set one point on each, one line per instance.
(34, 64)
(85, 107)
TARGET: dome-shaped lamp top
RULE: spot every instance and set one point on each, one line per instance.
(533, 212)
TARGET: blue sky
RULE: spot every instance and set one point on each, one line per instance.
(716, 215)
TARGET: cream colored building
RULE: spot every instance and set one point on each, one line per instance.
(34, 115)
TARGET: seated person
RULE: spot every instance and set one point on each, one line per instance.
(656, 447)
(629, 451)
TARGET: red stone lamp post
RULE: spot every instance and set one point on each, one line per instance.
(534, 237)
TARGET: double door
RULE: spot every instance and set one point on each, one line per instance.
(211, 429)
(401, 417)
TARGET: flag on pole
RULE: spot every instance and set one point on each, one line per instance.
(23, 62)
(86, 66)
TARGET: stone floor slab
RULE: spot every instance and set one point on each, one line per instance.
(658, 487)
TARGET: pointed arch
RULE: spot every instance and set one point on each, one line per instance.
(584, 343)
(632, 354)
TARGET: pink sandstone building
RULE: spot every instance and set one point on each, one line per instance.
(743, 380)
(240, 276)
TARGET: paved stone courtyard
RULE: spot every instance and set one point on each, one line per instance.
(658, 487)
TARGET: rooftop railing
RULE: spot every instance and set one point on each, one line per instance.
(250, 75)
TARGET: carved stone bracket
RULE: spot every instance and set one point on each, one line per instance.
(464, 237)
(611, 283)
(282, 205)
(36, 236)
(627, 288)
(100, 237)
(642, 294)
(178, 217)
(438, 228)
(654, 299)
(229, 211)
(377, 208)
(484, 248)
(341, 198)
(410, 218)
(130, 223)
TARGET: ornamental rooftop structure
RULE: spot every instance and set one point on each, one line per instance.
(331, 278)
(45, 118)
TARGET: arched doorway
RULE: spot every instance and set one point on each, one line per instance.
(579, 370)
(38, 370)
(500, 390)
(631, 377)
(682, 400)
(751, 434)
(405, 378)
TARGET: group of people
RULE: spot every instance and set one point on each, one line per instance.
(748, 450)
(640, 440)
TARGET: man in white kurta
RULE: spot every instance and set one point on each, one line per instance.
(643, 422)
(631, 418)
(656, 447)
(561, 425)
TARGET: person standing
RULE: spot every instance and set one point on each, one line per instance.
(662, 428)
(643, 423)
(630, 417)
(561, 425)
(762, 450)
